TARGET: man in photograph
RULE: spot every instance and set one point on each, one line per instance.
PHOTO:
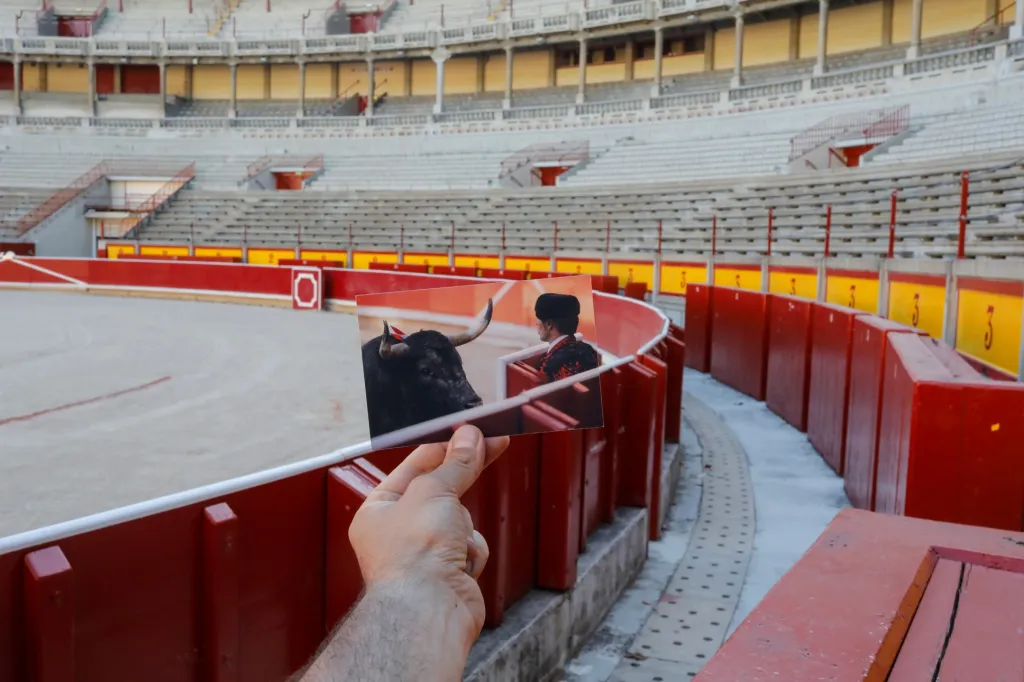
(558, 317)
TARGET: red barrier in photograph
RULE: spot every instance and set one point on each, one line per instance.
(501, 273)
(636, 450)
(867, 383)
(739, 327)
(831, 340)
(698, 326)
(402, 267)
(456, 270)
(789, 358)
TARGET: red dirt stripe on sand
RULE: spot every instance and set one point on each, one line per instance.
(79, 403)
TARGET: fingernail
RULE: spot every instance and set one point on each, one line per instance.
(466, 437)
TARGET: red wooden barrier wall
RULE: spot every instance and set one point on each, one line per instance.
(831, 337)
(789, 358)
(698, 327)
(739, 328)
(867, 384)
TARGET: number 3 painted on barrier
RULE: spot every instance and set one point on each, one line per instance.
(853, 299)
(738, 285)
(991, 333)
(792, 286)
(916, 316)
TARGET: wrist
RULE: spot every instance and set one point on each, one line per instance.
(432, 610)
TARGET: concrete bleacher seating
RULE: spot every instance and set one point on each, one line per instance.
(157, 19)
(15, 203)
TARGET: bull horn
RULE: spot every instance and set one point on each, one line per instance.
(389, 349)
(470, 334)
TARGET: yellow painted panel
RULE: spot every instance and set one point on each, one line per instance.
(211, 82)
(494, 72)
(606, 73)
(389, 77)
(459, 76)
(988, 327)
(164, 250)
(530, 69)
(918, 305)
(336, 256)
(477, 262)
(853, 292)
(580, 267)
(632, 272)
(725, 48)
(67, 78)
(672, 66)
(424, 77)
(251, 81)
(534, 264)
(115, 250)
(362, 259)
(218, 252)
(567, 76)
(31, 77)
(802, 284)
(766, 43)
(901, 21)
(1009, 12)
(425, 258)
(284, 82)
(352, 80)
(739, 279)
(269, 256)
(854, 28)
(807, 45)
(176, 80)
(952, 16)
(674, 278)
(318, 81)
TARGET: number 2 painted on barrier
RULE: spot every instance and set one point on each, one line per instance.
(853, 298)
(991, 333)
(738, 285)
(915, 317)
(682, 280)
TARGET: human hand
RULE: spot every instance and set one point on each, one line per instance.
(413, 536)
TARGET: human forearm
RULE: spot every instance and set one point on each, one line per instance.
(396, 633)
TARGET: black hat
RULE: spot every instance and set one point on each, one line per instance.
(556, 306)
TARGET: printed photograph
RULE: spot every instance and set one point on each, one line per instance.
(504, 356)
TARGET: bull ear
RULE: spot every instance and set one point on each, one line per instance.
(470, 334)
(388, 348)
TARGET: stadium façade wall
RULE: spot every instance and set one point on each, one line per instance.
(854, 28)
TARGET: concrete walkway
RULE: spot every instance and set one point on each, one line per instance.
(749, 480)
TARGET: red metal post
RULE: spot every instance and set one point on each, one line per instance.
(892, 224)
(771, 217)
(659, 237)
(401, 238)
(608, 237)
(965, 190)
(828, 229)
(350, 236)
(190, 6)
(268, 5)
(556, 235)
(453, 237)
(191, 233)
(245, 234)
(714, 233)
(298, 236)
(503, 236)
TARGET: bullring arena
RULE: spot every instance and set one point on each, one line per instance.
(803, 226)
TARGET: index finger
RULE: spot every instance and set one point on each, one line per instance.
(467, 456)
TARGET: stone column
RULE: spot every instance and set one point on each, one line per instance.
(92, 87)
(302, 89)
(659, 50)
(709, 49)
(581, 94)
(371, 87)
(163, 81)
(17, 85)
(822, 64)
(440, 56)
(233, 87)
(628, 59)
(509, 56)
(914, 51)
(737, 68)
(1017, 30)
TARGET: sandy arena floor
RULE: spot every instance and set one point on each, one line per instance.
(108, 401)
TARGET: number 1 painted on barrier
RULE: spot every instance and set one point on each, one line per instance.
(916, 316)
(853, 298)
(991, 333)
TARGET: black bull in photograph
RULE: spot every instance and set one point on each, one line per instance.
(418, 378)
